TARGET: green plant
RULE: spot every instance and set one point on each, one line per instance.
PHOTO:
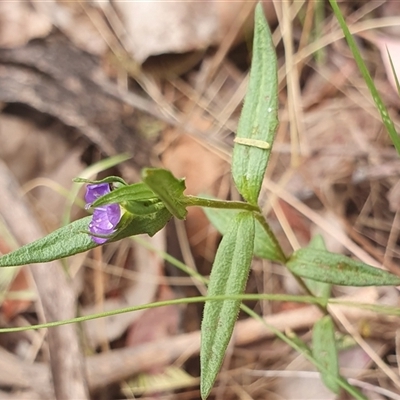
(146, 207)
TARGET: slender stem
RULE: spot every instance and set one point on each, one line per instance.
(213, 203)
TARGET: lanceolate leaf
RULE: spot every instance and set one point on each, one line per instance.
(325, 352)
(75, 238)
(61, 243)
(259, 118)
(264, 245)
(228, 277)
(337, 269)
(168, 188)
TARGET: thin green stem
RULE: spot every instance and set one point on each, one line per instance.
(213, 203)
(395, 311)
(186, 300)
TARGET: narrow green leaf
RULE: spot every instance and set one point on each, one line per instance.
(264, 245)
(228, 277)
(337, 269)
(75, 238)
(387, 121)
(108, 179)
(168, 188)
(137, 191)
(318, 289)
(61, 243)
(325, 352)
(259, 118)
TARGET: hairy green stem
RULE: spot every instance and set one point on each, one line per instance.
(186, 300)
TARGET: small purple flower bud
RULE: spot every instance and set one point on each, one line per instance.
(105, 218)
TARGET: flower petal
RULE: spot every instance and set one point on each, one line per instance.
(96, 190)
(105, 218)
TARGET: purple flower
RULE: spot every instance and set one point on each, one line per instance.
(105, 218)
